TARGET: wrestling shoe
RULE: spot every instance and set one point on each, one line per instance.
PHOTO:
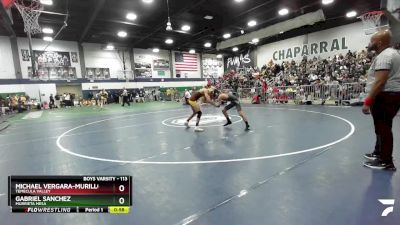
(198, 129)
(380, 165)
(186, 124)
(228, 123)
(371, 156)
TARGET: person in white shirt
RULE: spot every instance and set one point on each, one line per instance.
(187, 96)
(327, 79)
(383, 100)
(67, 100)
(125, 98)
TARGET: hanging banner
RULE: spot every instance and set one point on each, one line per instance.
(241, 61)
(52, 59)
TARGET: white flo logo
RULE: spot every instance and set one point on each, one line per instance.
(389, 203)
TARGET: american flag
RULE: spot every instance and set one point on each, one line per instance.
(185, 61)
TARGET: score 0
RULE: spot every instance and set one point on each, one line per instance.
(121, 189)
(122, 193)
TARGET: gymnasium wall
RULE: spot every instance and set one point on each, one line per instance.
(35, 91)
(148, 56)
(120, 85)
(40, 91)
(68, 88)
(96, 57)
(188, 74)
(7, 70)
(40, 45)
(325, 44)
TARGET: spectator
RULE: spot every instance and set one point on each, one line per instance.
(141, 95)
(52, 105)
(67, 100)
(157, 95)
(256, 99)
(72, 99)
(57, 101)
(103, 96)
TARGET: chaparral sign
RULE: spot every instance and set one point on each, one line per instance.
(311, 49)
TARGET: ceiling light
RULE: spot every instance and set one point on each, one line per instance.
(147, 1)
(155, 50)
(255, 41)
(185, 28)
(327, 2)
(226, 36)
(351, 14)
(169, 25)
(239, 0)
(122, 34)
(235, 49)
(242, 31)
(219, 56)
(208, 17)
(110, 47)
(207, 45)
(283, 12)
(50, 39)
(169, 41)
(192, 51)
(131, 16)
(252, 23)
(46, 2)
(47, 30)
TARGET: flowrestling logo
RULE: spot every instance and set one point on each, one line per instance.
(390, 206)
(208, 120)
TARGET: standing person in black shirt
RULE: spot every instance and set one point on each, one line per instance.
(51, 101)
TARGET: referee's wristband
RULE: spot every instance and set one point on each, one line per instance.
(368, 101)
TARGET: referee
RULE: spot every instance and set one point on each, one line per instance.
(383, 100)
(125, 98)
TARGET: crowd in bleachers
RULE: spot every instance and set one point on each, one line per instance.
(341, 78)
(343, 68)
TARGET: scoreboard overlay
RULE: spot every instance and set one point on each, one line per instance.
(70, 194)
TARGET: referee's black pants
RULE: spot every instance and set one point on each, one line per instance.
(384, 109)
(125, 100)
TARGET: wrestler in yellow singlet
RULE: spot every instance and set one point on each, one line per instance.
(206, 93)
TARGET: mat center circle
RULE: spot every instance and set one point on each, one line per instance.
(142, 161)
